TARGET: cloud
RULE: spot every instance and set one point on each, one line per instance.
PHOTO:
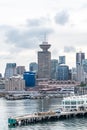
(37, 22)
(68, 49)
(62, 18)
(27, 39)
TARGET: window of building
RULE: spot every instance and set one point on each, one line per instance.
(73, 102)
(67, 102)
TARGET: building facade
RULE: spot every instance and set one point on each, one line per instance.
(30, 79)
(33, 67)
(73, 74)
(84, 64)
(63, 72)
(10, 70)
(80, 56)
(20, 70)
(44, 61)
(62, 60)
(2, 83)
(15, 83)
(54, 66)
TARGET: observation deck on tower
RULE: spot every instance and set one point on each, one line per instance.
(45, 46)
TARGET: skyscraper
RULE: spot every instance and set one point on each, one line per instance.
(61, 59)
(54, 66)
(44, 61)
(10, 70)
(80, 56)
(63, 72)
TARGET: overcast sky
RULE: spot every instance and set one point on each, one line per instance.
(23, 24)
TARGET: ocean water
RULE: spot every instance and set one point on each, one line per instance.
(21, 107)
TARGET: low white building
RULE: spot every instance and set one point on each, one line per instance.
(74, 103)
(15, 83)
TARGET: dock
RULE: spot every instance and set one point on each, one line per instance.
(44, 117)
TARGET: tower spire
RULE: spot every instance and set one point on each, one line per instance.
(45, 37)
(45, 46)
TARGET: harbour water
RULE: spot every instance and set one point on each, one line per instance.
(20, 107)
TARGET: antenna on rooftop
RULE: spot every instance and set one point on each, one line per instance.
(45, 39)
(45, 46)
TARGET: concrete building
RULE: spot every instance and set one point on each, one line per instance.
(10, 70)
(15, 83)
(54, 66)
(20, 70)
(33, 67)
(80, 56)
(44, 61)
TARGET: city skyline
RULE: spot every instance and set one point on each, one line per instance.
(24, 23)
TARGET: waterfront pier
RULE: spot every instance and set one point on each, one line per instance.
(44, 116)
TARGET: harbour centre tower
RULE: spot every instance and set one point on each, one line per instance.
(44, 61)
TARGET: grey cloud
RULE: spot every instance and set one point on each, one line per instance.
(27, 39)
(69, 49)
(37, 22)
(34, 22)
(13, 35)
(30, 35)
(62, 18)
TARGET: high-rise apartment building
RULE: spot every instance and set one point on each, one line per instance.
(10, 70)
(63, 72)
(54, 66)
(44, 61)
(80, 56)
(61, 59)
